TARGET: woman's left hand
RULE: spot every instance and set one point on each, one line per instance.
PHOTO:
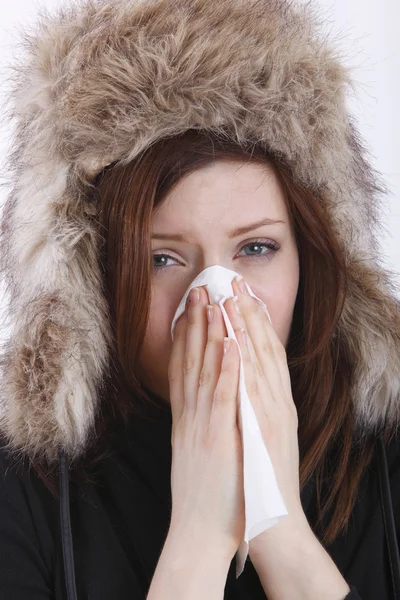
(269, 388)
(288, 558)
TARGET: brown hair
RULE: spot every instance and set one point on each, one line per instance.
(319, 360)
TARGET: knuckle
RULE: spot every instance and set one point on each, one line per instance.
(226, 366)
(172, 372)
(280, 350)
(204, 378)
(290, 409)
(180, 321)
(259, 369)
(212, 338)
(222, 396)
(252, 305)
(267, 348)
(191, 317)
(180, 324)
(252, 387)
(188, 363)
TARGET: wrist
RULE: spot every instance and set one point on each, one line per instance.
(290, 534)
(292, 563)
(188, 568)
(185, 542)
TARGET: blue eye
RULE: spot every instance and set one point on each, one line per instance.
(272, 246)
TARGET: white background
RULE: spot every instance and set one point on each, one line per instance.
(366, 31)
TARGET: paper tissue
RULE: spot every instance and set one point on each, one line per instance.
(264, 505)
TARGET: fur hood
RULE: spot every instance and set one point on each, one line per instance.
(99, 81)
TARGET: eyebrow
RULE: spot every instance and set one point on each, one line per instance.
(178, 237)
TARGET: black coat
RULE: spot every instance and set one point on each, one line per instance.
(120, 521)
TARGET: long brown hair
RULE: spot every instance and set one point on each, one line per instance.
(319, 360)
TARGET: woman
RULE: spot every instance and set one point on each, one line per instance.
(121, 458)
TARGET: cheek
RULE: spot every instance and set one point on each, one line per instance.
(280, 302)
(157, 343)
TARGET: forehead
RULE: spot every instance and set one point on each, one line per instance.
(227, 190)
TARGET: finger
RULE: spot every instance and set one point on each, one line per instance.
(279, 351)
(257, 385)
(277, 347)
(226, 392)
(251, 368)
(196, 342)
(264, 341)
(211, 368)
(175, 371)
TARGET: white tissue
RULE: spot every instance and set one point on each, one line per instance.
(264, 505)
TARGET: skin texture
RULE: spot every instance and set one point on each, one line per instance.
(205, 206)
(206, 474)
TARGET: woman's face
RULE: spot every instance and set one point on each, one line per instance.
(206, 207)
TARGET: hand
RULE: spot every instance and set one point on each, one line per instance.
(288, 558)
(207, 456)
(269, 388)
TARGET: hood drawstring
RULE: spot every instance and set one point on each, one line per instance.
(388, 519)
(387, 515)
(66, 534)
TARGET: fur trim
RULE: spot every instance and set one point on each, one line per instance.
(99, 82)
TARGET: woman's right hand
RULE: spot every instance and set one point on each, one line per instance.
(207, 460)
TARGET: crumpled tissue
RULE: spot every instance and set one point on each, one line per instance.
(264, 505)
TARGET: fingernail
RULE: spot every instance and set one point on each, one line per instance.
(227, 345)
(193, 296)
(244, 336)
(236, 304)
(241, 284)
(210, 313)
